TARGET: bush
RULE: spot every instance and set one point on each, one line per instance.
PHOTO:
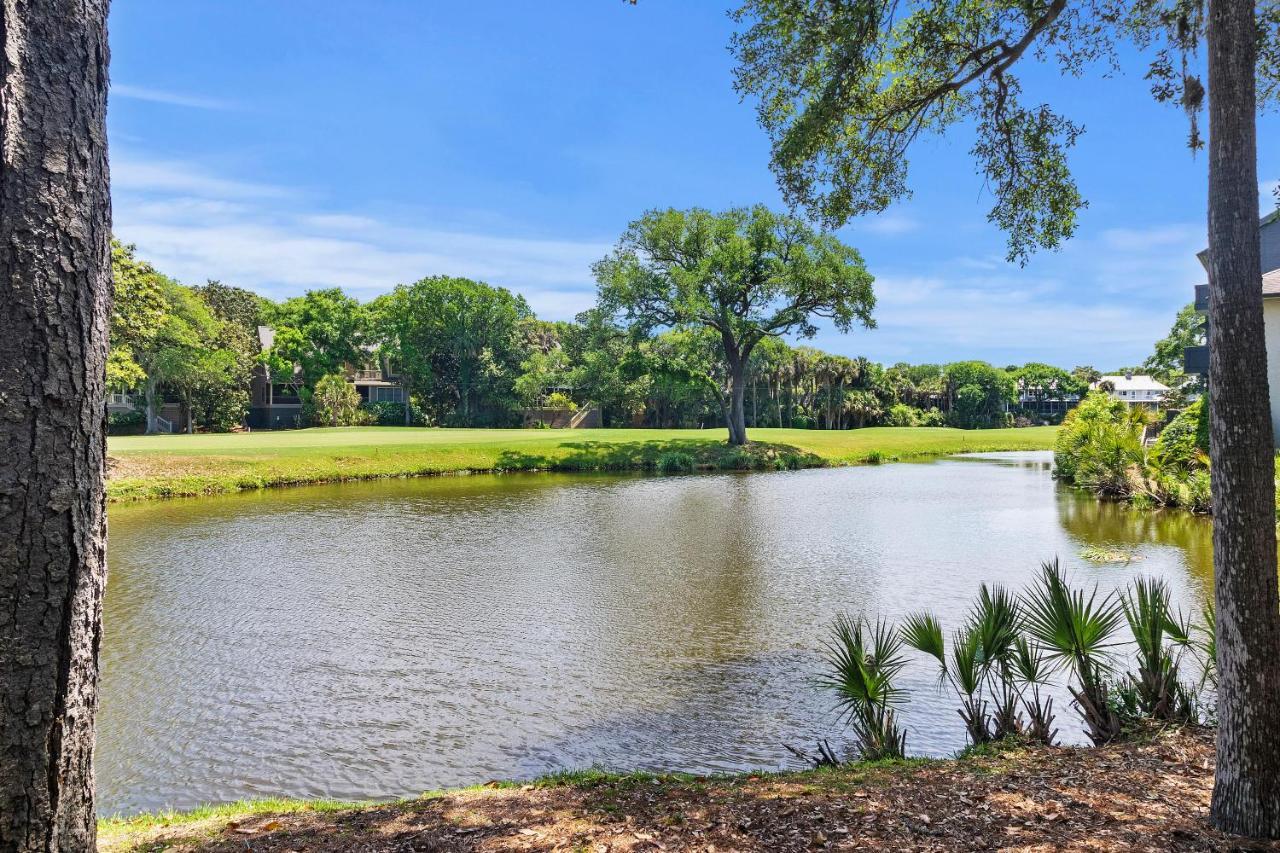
(126, 423)
(931, 417)
(1097, 419)
(1179, 443)
(902, 415)
(560, 400)
(675, 462)
(387, 413)
(335, 402)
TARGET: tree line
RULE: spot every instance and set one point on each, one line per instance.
(471, 354)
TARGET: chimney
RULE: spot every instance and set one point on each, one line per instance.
(1128, 374)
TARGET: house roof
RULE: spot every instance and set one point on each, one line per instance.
(1136, 382)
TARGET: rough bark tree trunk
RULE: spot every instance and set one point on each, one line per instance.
(56, 278)
(1246, 793)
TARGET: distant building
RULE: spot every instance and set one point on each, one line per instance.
(274, 401)
(1049, 403)
(1134, 389)
(1196, 359)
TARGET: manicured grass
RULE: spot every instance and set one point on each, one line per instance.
(160, 466)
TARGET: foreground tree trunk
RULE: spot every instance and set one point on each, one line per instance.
(1246, 792)
(56, 278)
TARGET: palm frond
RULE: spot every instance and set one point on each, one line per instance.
(1075, 630)
(923, 632)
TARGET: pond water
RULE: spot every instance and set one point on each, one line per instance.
(381, 639)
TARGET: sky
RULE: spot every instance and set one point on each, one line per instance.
(302, 144)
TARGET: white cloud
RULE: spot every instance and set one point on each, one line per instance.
(891, 223)
(167, 178)
(196, 225)
(1104, 300)
(161, 96)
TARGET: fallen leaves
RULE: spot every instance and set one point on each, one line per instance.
(1147, 796)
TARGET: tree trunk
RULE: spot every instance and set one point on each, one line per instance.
(1246, 792)
(151, 405)
(55, 272)
(737, 405)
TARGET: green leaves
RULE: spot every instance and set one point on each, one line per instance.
(747, 273)
(863, 659)
(1075, 630)
(844, 89)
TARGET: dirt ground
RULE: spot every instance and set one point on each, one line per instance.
(1152, 795)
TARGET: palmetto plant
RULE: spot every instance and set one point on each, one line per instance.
(996, 621)
(1075, 632)
(1032, 672)
(983, 655)
(961, 669)
(1157, 633)
(863, 659)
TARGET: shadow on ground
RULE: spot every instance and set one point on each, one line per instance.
(1151, 795)
(672, 456)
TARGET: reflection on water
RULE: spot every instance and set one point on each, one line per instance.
(380, 639)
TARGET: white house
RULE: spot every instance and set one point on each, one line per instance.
(1134, 389)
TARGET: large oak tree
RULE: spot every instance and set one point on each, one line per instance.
(55, 271)
(747, 273)
(846, 86)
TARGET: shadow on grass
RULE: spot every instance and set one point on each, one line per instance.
(671, 456)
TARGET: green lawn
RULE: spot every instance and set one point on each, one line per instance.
(176, 465)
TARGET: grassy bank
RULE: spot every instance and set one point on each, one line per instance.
(161, 466)
(1150, 795)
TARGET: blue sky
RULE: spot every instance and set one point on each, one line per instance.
(305, 143)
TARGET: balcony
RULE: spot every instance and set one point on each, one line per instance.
(366, 376)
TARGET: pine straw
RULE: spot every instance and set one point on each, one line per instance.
(1152, 795)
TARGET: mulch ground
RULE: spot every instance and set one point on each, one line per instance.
(1152, 795)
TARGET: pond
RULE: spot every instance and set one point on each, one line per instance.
(380, 639)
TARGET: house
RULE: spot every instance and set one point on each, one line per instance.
(1133, 389)
(1050, 402)
(275, 402)
(1196, 359)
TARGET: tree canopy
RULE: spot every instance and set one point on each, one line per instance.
(746, 274)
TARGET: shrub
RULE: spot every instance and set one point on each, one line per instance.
(675, 462)
(1100, 446)
(388, 413)
(862, 662)
(1155, 691)
(1178, 443)
(875, 457)
(932, 417)
(560, 400)
(126, 423)
(335, 402)
(1075, 631)
(902, 415)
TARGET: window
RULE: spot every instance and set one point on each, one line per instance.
(387, 395)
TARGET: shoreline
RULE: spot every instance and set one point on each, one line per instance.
(1148, 793)
(144, 468)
